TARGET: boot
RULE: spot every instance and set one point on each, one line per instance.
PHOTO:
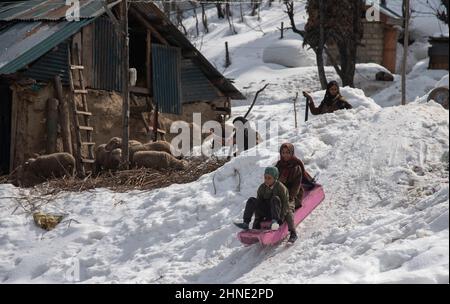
(243, 225)
(293, 237)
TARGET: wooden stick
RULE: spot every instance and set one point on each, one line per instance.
(295, 109)
(227, 55)
(306, 109)
(155, 123)
(63, 116)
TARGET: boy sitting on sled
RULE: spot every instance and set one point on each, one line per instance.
(272, 203)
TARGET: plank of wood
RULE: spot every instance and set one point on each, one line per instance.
(78, 91)
(83, 113)
(86, 128)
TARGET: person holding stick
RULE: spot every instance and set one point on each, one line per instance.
(332, 101)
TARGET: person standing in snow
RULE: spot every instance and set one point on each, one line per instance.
(293, 174)
(272, 203)
(244, 137)
(332, 101)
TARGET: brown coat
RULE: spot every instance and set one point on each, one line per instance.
(291, 176)
(329, 105)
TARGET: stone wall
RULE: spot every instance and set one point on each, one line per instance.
(372, 47)
(373, 43)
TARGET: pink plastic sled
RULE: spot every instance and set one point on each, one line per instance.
(311, 200)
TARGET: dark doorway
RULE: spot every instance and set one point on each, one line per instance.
(5, 127)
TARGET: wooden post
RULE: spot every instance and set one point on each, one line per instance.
(155, 123)
(405, 49)
(282, 30)
(52, 125)
(306, 109)
(64, 121)
(295, 109)
(148, 61)
(227, 55)
(125, 88)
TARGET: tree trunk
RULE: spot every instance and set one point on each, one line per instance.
(405, 48)
(204, 18)
(242, 12)
(319, 51)
(229, 18)
(166, 7)
(220, 13)
(196, 19)
(180, 20)
(255, 5)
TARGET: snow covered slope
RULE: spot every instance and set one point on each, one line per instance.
(385, 217)
(384, 220)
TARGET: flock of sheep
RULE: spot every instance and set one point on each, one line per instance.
(154, 155)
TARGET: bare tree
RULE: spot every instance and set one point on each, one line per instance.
(204, 18)
(341, 25)
(167, 7)
(180, 19)
(229, 16)
(255, 6)
(220, 13)
(194, 8)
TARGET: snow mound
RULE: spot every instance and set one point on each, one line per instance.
(354, 96)
(443, 82)
(420, 81)
(289, 53)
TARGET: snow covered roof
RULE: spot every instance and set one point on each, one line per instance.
(385, 10)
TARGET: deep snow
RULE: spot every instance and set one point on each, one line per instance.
(384, 170)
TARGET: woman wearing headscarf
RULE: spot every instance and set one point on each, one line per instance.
(332, 101)
(293, 174)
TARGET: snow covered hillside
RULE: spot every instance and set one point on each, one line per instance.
(384, 169)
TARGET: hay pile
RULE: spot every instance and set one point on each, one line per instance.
(136, 179)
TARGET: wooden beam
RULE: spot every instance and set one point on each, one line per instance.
(64, 119)
(147, 24)
(14, 110)
(126, 86)
(188, 53)
(113, 18)
(139, 90)
(148, 61)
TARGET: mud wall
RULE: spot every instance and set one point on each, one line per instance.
(29, 119)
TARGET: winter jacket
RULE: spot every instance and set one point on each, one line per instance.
(291, 176)
(278, 189)
(329, 105)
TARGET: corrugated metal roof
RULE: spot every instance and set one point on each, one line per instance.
(53, 63)
(51, 10)
(23, 43)
(195, 86)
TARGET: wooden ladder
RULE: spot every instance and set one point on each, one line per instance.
(86, 129)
